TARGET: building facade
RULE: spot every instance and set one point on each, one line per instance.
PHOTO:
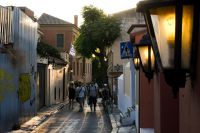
(61, 35)
(18, 67)
(123, 88)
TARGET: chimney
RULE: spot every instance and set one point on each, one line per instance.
(76, 20)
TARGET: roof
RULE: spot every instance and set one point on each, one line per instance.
(131, 10)
(133, 26)
(48, 19)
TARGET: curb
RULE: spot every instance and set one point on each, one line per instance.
(35, 121)
(118, 128)
(114, 124)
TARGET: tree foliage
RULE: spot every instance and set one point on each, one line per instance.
(45, 50)
(98, 31)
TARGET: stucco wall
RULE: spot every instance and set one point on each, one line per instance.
(125, 101)
(56, 85)
(50, 33)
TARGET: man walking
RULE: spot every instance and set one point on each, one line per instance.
(81, 95)
(93, 96)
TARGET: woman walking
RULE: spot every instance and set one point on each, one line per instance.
(71, 95)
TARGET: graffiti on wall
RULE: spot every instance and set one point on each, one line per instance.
(24, 87)
(6, 83)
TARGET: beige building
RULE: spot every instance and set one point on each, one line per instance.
(61, 34)
(121, 72)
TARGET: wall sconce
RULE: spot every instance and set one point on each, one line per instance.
(146, 56)
(136, 59)
(51, 62)
(171, 27)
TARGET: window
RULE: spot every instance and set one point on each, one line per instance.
(89, 66)
(60, 40)
(81, 69)
(77, 69)
(74, 68)
(85, 67)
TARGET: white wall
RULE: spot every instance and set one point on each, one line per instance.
(124, 100)
(56, 81)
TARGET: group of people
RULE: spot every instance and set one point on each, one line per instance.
(81, 92)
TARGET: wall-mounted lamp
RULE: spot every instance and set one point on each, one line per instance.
(136, 59)
(51, 62)
(172, 27)
(71, 71)
(146, 56)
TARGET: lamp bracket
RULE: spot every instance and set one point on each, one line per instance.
(176, 79)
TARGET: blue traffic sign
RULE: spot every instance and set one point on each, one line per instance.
(126, 50)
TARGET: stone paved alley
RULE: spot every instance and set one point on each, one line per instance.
(72, 121)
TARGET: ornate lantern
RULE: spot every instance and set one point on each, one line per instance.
(136, 59)
(171, 27)
(146, 56)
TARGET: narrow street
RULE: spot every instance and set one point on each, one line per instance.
(72, 121)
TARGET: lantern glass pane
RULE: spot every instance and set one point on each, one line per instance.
(144, 57)
(163, 20)
(187, 30)
(136, 62)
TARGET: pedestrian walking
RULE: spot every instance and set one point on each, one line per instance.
(92, 96)
(80, 96)
(105, 97)
(71, 96)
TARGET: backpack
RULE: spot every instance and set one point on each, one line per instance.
(95, 90)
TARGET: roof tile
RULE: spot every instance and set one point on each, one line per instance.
(48, 19)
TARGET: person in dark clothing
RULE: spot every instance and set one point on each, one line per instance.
(105, 97)
(71, 95)
(92, 96)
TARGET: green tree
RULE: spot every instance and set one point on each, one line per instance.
(45, 50)
(97, 33)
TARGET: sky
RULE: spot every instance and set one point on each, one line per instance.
(66, 9)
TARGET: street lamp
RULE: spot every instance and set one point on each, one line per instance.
(146, 56)
(171, 27)
(136, 59)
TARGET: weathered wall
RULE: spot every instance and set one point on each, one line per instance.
(17, 74)
(56, 85)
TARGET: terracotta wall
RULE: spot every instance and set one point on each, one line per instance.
(50, 33)
(146, 92)
(166, 108)
(146, 108)
(190, 102)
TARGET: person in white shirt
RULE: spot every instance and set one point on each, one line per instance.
(81, 95)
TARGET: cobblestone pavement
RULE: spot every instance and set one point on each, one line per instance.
(72, 121)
